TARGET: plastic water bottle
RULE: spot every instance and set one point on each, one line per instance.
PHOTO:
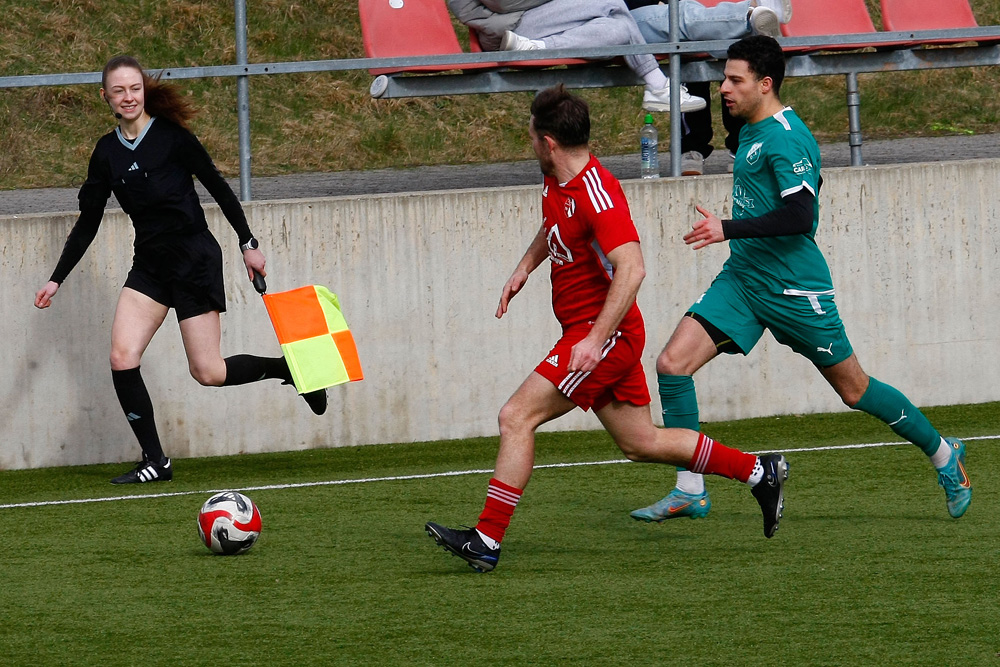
(649, 150)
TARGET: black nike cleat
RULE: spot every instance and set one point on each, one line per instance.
(770, 491)
(144, 471)
(467, 545)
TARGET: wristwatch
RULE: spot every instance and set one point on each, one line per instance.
(249, 245)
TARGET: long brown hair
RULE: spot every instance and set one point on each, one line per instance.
(162, 99)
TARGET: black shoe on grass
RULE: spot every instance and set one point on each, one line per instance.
(316, 400)
(770, 490)
(467, 545)
(144, 471)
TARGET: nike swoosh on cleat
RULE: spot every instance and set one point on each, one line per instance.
(475, 554)
(965, 483)
(674, 510)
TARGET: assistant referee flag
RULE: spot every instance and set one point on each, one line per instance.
(314, 337)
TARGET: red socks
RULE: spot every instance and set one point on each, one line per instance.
(714, 458)
(710, 457)
(501, 499)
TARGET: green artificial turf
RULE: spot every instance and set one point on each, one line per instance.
(867, 568)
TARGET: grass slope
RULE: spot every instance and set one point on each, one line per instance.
(867, 567)
(327, 122)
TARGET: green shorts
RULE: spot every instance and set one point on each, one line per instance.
(807, 322)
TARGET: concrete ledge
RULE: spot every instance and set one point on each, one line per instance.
(914, 251)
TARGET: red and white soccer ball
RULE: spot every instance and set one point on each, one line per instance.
(229, 523)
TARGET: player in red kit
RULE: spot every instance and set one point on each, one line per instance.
(592, 245)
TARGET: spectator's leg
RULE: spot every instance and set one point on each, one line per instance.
(698, 124)
(727, 20)
(563, 24)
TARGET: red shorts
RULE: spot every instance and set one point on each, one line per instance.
(618, 376)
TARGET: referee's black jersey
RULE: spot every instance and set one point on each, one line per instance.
(152, 178)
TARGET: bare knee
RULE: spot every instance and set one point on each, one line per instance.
(640, 445)
(208, 376)
(511, 419)
(635, 454)
(669, 363)
(851, 397)
(848, 380)
(123, 360)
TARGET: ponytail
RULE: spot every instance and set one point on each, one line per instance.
(161, 99)
(164, 99)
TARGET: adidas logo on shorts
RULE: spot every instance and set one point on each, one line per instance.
(554, 360)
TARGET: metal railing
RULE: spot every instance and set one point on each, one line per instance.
(894, 52)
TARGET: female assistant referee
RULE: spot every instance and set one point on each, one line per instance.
(148, 162)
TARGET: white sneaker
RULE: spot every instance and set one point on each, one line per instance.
(763, 21)
(783, 8)
(659, 100)
(513, 42)
(692, 164)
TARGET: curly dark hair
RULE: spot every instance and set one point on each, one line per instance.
(763, 56)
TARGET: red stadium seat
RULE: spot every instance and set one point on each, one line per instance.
(395, 28)
(905, 15)
(818, 18)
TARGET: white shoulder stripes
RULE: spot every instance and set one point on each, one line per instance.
(599, 197)
(780, 117)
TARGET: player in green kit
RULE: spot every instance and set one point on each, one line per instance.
(777, 279)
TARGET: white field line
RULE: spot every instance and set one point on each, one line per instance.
(450, 473)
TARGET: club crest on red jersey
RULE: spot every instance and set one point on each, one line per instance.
(570, 207)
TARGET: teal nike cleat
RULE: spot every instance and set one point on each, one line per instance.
(954, 480)
(675, 505)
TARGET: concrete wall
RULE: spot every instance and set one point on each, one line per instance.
(913, 250)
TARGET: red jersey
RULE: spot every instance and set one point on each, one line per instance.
(584, 220)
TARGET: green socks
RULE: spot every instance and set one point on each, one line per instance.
(679, 403)
(889, 405)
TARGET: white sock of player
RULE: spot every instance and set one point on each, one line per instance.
(488, 541)
(690, 482)
(941, 457)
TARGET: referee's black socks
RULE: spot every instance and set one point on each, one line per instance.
(246, 368)
(138, 409)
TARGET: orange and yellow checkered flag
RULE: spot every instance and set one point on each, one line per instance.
(314, 337)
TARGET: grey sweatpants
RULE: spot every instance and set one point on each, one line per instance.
(563, 24)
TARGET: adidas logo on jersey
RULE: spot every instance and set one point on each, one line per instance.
(554, 360)
(134, 167)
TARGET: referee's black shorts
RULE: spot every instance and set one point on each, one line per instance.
(183, 273)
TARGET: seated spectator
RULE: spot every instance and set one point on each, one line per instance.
(525, 25)
(696, 22)
(727, 20)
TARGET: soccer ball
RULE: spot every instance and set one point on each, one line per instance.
(229, 523)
